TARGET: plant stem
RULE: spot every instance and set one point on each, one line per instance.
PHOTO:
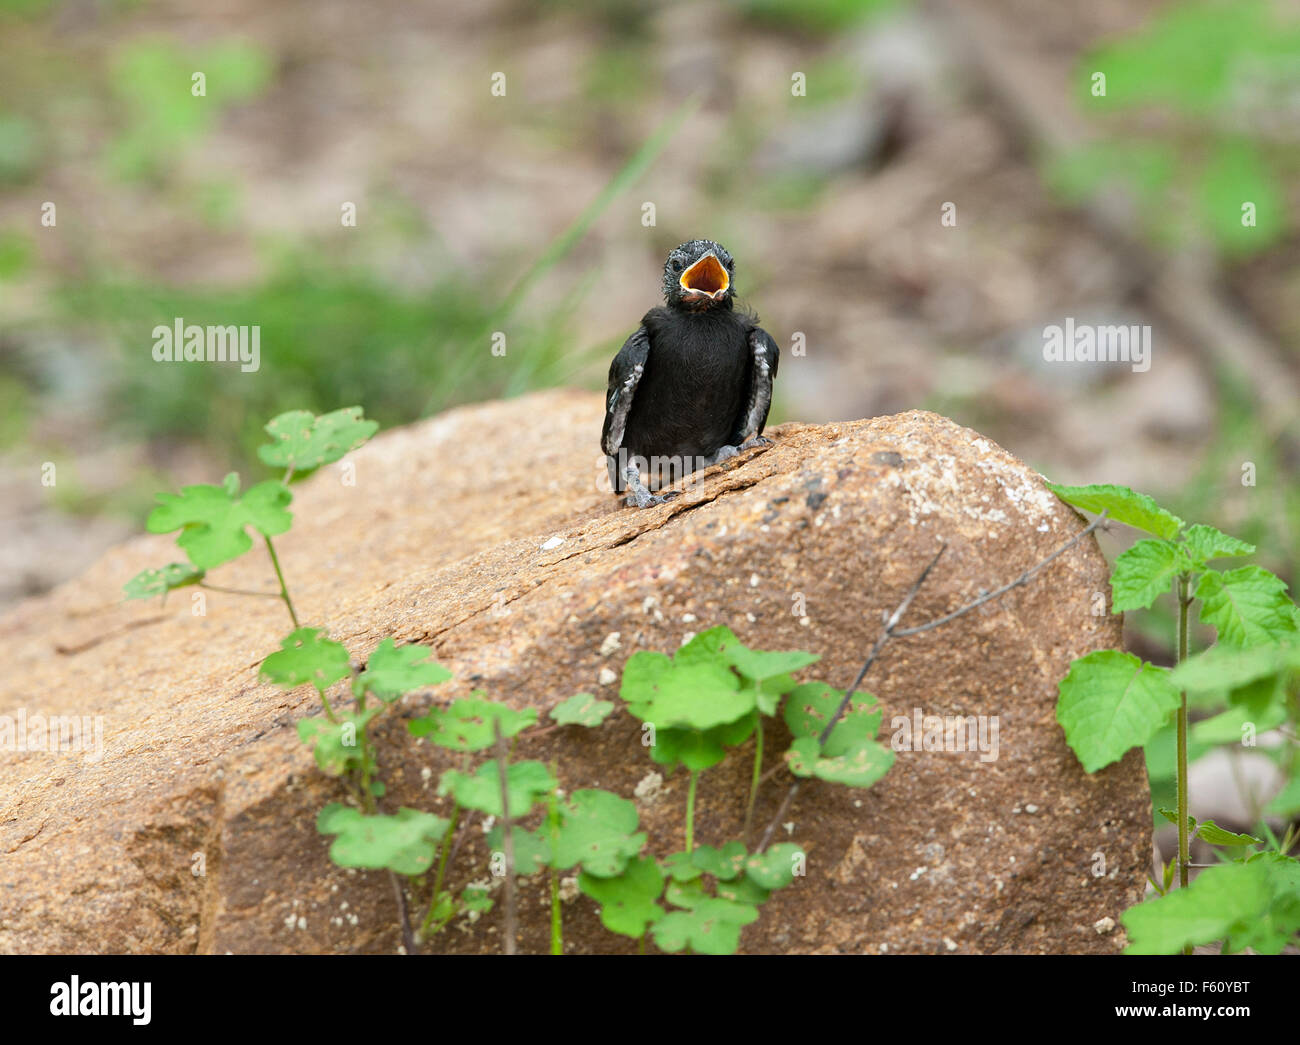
(1181, 590)
(755, 778)
(442, 868)
(237, 591)
(553, 822)
(284, 591)
(511, 943)
(690, 812)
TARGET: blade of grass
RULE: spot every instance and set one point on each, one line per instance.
(562, 244)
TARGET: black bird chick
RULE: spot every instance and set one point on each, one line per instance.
(693, 385)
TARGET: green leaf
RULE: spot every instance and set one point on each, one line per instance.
(302, 441)
(724, 864)
(532, 850)
(582, 709)
(1110, 702)
(811, 706)
(392, 671)
(1172, 816)
(337, 745)
(405, 842)
(1227, 726)
(1123, 504)
(525, 782)
(627, 901)
(1145, 572)
(767, 672)
(1229, 668)
(1287, 801)
(775, 868)
(1205, 543)
(1246, 606)
(742, 890)
(1161, 754)
(681, 868)
(466, 725)
(689, 893)
(697, 749)
(307, 656)
(148, 583)
(598, 830)
(212, 519)
(861, 766)
(475, 898)
(710, 927)
(692, 693)
(1209, 831)
(1247, 904)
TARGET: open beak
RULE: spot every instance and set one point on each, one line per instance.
(706, 278)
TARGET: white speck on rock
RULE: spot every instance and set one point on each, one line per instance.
(1104, 925)
(688, 618)
(606, 677)
(552, 544)
(611, 643)
(649, 787)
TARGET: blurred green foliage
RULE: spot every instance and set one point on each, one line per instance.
(1188, 106)
(820, 16)
(151, 80)
(328, 335)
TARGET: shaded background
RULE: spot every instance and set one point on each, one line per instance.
(523, 214)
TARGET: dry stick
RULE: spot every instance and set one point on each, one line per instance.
(508, 835)
(408, 937)
(1019, 582)
(891, 630)
(885, 633)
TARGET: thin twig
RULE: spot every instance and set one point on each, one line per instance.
(1019, 582)
(886, 632)
(891, 630)
(460, 836)
(508, 838)
(408, 937)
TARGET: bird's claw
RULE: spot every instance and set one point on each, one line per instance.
(643, 498)
(758, 440)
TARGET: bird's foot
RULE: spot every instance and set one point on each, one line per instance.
(725, 453)
(643, 498)
(637, 494)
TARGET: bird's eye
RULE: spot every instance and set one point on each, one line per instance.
(677, 264)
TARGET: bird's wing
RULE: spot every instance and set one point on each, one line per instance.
(766, 356)
(624, 375)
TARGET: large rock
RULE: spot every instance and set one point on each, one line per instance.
(483, 533)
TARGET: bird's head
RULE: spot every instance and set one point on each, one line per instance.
(698, 275)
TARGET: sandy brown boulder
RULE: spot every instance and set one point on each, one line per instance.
(483, 533)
